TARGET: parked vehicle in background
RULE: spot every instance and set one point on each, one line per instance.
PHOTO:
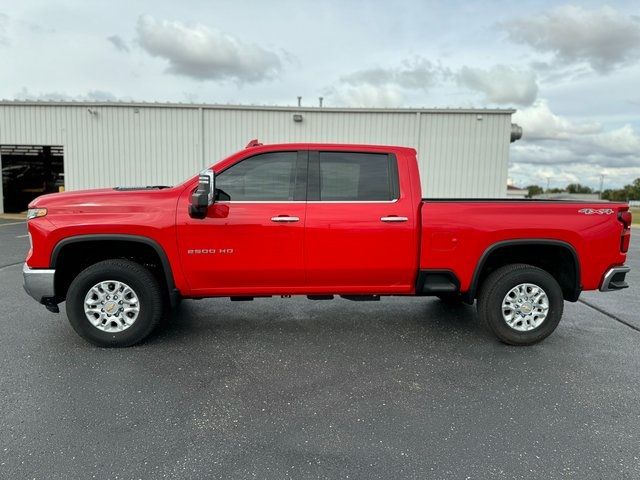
(318, 220)
(22, 182)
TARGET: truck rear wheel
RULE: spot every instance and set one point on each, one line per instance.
(114, 303)
(521, 304)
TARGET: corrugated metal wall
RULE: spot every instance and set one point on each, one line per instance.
(461, 153)
(114, 145)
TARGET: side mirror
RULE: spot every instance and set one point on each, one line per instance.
(203, 196)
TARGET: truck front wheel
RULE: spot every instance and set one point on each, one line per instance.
(114, 303)
(520, 303)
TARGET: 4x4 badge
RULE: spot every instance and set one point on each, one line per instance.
(596, 211)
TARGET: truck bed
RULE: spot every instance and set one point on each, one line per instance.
(457, 233)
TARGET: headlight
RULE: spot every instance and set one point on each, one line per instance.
(36, 212)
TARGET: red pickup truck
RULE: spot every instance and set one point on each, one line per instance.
(316, 220)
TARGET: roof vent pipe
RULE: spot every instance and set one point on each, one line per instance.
(320, 102)
(516, 132)
(299, 101)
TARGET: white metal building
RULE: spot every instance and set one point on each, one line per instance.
(462, 152)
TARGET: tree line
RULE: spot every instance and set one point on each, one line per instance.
(626, 193)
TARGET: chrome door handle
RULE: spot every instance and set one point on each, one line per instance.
(393, 218)
(284, 219)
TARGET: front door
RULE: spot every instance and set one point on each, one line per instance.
(251, 241)
(361, 234)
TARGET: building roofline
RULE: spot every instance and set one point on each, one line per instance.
(209, 106)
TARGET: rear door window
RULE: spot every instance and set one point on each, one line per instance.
(350, 176)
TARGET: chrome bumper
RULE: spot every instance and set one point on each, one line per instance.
(38, 283)
(614, 279)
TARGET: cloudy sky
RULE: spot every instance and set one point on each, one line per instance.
(572, 70)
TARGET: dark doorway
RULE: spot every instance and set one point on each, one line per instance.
(29, 171)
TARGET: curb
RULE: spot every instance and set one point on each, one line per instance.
(13, 216)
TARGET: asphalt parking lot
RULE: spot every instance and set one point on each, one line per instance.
(290, 388)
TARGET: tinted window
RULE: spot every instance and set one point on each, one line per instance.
(354, 176)
(270, 176)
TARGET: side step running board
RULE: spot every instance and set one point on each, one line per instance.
(361, 298)
(248, 299)
(353, 298)
(320, 297)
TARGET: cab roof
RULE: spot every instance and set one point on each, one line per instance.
(255, 144)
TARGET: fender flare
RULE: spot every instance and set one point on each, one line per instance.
(166, 265)
(473, 287)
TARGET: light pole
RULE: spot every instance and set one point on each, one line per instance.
(601, 185)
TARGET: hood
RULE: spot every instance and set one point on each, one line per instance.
(103, 199)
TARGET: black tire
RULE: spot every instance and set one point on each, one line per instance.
(496, 286)
(141, 280)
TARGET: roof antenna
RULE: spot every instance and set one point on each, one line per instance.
(299, 101)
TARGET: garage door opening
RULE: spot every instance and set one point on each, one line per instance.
(29, 171)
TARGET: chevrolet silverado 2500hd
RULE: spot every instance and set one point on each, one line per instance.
(316, 220)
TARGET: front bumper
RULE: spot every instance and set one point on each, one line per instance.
(614, 279)
(39, 283)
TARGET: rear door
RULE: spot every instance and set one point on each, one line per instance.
(360, 228)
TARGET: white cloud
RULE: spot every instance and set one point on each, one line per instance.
(416, 73)
(386, 86)
(366, 95)
(604, 38)
(4, 25)
(622, 141)
(118, 43)
(501, 84)
(566, 151)
(525, 174)
(202, 53)
(539, 122)
(89, 96)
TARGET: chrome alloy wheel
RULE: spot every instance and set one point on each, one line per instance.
(111, 306)
(525, 307)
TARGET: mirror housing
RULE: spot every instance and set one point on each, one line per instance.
(203, 196)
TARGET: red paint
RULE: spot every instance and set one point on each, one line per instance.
(478, 225)
(251, 251)
(334, 247)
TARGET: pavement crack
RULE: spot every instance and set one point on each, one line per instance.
(610, 315)
(10, 265)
